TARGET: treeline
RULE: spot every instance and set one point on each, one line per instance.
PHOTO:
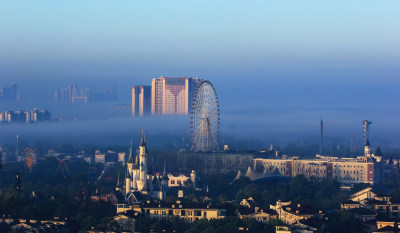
(178, 225)
(55, 190)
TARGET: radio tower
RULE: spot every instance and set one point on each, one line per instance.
(321, 125)
(366, 130)
(17, 146)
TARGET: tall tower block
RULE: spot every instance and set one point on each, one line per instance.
(366, 124)
(321, 136)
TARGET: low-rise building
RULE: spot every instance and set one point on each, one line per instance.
(362, 169)
(162, 211)
(291, 213)
(249, 209)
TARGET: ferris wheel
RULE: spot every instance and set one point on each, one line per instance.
(204, 118)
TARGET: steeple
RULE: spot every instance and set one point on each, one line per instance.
(367, 143)
(367, 149)
(378, 152)
(143, 142)
(130, 160)
(164, 175)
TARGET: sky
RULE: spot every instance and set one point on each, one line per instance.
(293, 60)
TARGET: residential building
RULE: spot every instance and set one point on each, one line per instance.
(187, 211)
(141, 100)
(362, 169)
(172, 95)
(249, 209)
(291, 213)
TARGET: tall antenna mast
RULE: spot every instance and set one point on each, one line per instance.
(321, 125)
(366, 124)
(17, 146)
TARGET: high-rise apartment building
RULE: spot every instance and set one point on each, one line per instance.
(72, 94)
(172, 95)
(141, 100)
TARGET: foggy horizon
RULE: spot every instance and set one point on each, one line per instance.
(277, 68)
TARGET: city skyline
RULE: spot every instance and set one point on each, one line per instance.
(200, 116)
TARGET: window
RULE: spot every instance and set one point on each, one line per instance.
(197, 213)
(172, 181)
(183, 213)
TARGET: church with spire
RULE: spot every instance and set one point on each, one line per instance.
(140, 178)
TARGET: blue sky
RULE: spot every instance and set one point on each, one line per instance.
(339, 59)
(200, 35)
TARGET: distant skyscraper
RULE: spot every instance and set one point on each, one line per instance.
(141, 100)
(72, 94)
(172, 95)
(112, 93)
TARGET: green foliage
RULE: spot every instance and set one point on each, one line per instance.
(47, 181)
(343, 222)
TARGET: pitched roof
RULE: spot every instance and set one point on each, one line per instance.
(378, 152)
(143, 141)
(348, 202)
(130, 159)
(303, 209)
(386, 229)
(313, 222)
(367, 143)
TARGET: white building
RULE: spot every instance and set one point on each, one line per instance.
(140, 178)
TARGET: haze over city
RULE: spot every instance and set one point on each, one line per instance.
(262, 101)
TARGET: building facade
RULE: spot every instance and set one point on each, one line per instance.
(140, 178)
(162, 211)
(172, 95)
(363, 169)
(141, 100)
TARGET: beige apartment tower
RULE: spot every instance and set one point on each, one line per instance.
(141, 100)
(170, 96)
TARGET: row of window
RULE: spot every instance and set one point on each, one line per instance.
(196, 213)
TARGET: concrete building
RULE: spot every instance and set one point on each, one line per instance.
(362, 169)
(187, 211)
(100, 158)
(28, 117)
(179, 179)
(248, 209)
(291, 213)
(172, 95)
(141, 100)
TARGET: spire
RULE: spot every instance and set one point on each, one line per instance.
(207, 194)
(130, 160)
(143, 142)
(378, 152)
(164, 176)
(367, 143)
